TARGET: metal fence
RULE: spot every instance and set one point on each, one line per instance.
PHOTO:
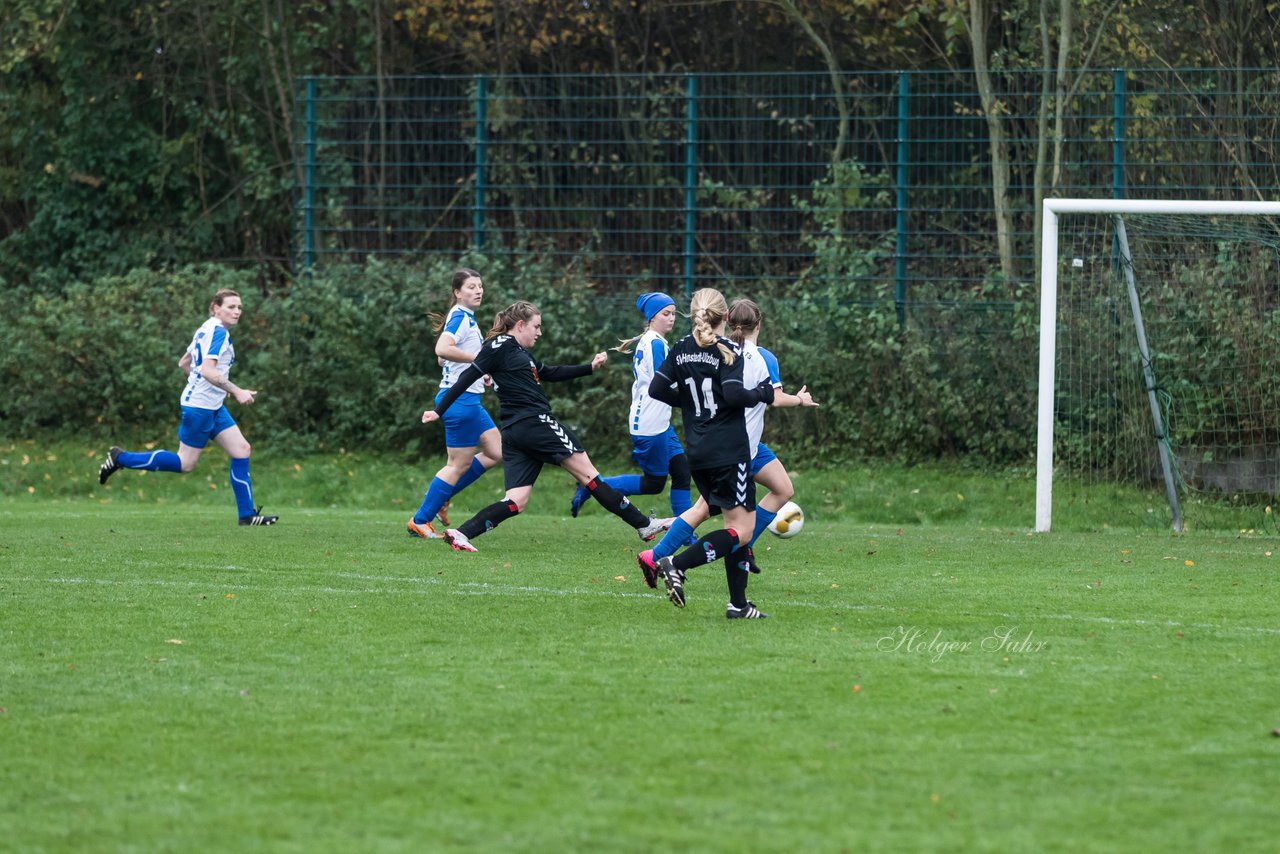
(674, 181)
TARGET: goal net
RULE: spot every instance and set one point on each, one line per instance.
(1160, 360)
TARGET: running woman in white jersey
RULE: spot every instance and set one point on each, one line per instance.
(745, 318)
(471, 439)
(207, 362)
(654, 444)
(759, 367)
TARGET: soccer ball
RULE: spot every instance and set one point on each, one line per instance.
(789, 521)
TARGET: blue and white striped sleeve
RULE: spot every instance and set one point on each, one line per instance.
(453, 323)
(771, 362)
(216, 342)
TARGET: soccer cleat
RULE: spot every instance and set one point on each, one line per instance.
(654, 528)
(580, 496)
(111, 466)
(443, 515)
(647, 566)
(424, 531)
(674, 579)
(458, 541)
(750, 612)
(258, 519)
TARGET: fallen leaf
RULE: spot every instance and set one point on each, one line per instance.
(174, 640)
(619, 578)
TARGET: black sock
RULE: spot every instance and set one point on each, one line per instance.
(616, 503)
(736, 576)
(711, 547)
(745, 559)
(651, 484)
(488, 518)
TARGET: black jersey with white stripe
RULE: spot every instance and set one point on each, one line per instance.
(517, 379)
(715, 431)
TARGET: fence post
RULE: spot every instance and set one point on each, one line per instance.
(482, 139)
(309, 180)
(900, 243)
(690, 181)
(1120, 109)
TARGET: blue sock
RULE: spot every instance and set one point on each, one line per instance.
(677, 535)
(470, 476)
(150, 460)
(437, 494)
(627, 484)
(763, 518)
(681, 500)
(242, 486)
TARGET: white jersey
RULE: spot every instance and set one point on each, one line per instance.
(649, 417)
(758, 365)
(211, 341)
(461, 324)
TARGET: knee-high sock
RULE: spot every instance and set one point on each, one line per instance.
(437, 494)
(713, 546)
(242, 486)
(470, 476)
(763, 518)
(488, 518)
(681, 500)
(150, 460)
(625, 484)
(440, 491)
(675, 537)
(616, 503)
(744, 557)
(737, 580)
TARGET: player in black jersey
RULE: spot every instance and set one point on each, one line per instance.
(531, 436)
(703, 374)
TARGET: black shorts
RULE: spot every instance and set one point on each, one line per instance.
(727, 487)
(530, 443)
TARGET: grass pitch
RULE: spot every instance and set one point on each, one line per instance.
(171, 682)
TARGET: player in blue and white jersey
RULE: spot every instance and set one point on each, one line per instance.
(531, 435)
(207, 362)
(760, 367)
(471, 439)
(655, 446)
(745, 319)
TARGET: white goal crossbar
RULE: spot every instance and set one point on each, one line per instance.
(1049, 308)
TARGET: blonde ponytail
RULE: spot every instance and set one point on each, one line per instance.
(708, 310)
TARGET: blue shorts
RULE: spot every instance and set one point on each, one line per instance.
(465, 420)
(653, 453)
(200, 425)
(763, 457)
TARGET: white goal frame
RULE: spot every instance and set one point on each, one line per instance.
(1049, 308)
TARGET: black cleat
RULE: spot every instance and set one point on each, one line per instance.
(111, 466)
(258, 519)
(674, 579)
(750, 612)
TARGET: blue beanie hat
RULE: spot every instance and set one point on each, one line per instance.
(653, 302)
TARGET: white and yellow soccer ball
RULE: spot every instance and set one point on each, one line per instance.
(789, 521)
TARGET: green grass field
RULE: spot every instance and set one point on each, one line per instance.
(932, 677)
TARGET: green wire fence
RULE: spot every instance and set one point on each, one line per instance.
(679, 180)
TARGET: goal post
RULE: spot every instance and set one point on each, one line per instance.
(1213, 243)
